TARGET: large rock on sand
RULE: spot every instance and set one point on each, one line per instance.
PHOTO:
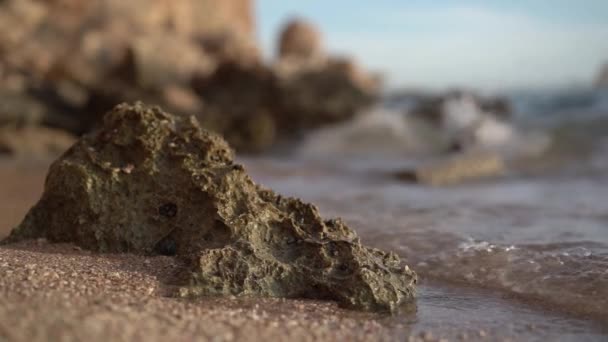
(151, 182)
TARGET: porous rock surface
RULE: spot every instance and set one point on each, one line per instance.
(149, 182)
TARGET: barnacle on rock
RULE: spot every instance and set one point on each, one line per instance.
(150, 182)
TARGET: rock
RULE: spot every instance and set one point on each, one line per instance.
(150, 182)
(288, 68)
(312, 99)
(211, 17)
(456, 169)
(300, 49)
(18, 109)
(72, 51)
(227, 47)
(246, 120)
(368, 82)
(300, 39)
(80, 58)
(254, 133)
(106, 95)
(255, 86)
(289, 106)
(183, 17)
(602, 78)
(179, 61)
(182, 99)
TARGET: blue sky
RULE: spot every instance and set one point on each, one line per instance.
(490, 45)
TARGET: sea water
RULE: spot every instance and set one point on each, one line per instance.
(538, 238)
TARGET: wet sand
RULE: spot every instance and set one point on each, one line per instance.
(59, 292)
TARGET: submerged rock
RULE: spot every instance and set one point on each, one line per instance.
(150, 182)
(456, 169)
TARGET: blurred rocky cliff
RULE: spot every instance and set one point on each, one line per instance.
(63, 63)
(602, 78)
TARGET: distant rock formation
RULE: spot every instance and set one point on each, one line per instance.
(300, 49)
(70, 61)
(602, 79)
(300, 39)
(253, 106)
(102, 30)
(88, 46)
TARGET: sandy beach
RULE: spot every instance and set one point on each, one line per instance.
(62, 293)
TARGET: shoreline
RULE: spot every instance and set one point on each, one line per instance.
(60, 291)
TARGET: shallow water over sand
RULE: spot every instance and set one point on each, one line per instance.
(466, 313)
(541, 240)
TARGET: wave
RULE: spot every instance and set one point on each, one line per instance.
(549, 108)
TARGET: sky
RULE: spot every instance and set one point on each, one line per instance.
(486, 45)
